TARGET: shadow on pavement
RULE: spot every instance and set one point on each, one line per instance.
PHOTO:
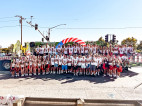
(69, 78)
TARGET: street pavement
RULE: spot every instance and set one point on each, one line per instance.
(127, 87)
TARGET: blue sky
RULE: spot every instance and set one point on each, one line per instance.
(76, 14)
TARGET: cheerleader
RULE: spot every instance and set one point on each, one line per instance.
(94, 49)
(17, 68)
(99, 65)
(52, 64)
(39, 66)
(83, 64)
(12, 68)
(60, 63)
(47, 66)
(86, 50)
(64, 64)
(30, 67)
(70, 50)
(119, 68)
(88, 60)
(35, 67)
(82, 50)
(110, 66)
(105, 66)
(65, 50)
(75, 50)
(26, 67)
(56, 64)
(42, 66)
(75, 62)
(22, 68)
(79, 64)
(121, 51)
(69, 64)
(114, 67)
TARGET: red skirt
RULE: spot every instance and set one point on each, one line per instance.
(121, 55)
(119, 69)
(111, 67)
(114, 66)
(104, 66)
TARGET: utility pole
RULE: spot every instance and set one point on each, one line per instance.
(21, 18)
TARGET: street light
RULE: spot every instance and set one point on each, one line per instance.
(53, 28)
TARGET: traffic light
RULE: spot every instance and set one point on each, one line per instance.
(114, 38)
(42, 39)
(47, 38)
(36, 26)
(106, 38)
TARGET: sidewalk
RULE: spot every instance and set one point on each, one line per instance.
(127, 87)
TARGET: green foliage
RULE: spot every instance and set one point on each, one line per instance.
(139, 47)
(129, 41)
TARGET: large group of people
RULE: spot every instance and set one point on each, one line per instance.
(75, 59)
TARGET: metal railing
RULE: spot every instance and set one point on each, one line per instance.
(33, 101)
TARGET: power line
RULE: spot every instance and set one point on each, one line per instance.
(99, 28)
(6, 17)
(8, 20)
(13, 26)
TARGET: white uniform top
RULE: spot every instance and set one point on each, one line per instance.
(66, 50)
(50, 50)
(60, 60)
(79, 61)
(99, 60)
(45, 50)
(121, 50)
(125, 49)
(71, 50)
(86, 49)
(64, 61)
(94, 62)
(82, 49)
(41, 51)
(83, 61)
(75, 61)
(37, 50)
(94, 50)
(54, 50)
(115, 50)
(59, 49)
(70, 61)
(78, 48)
(91, 49)
(52, 61)
(13, 65)
(88, 60)
(131, 49)
(56, 60)
(75, 49)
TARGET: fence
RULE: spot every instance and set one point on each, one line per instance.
(33, 101)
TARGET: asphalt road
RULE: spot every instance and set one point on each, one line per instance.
(128, 86)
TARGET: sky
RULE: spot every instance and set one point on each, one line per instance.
(84, 19)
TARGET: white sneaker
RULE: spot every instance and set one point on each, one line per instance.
(104, 75)
(30, 74)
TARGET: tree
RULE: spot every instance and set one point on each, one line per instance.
(11, 47)
(139, 47)
(102, 42)
(129, 41)
(5, 50)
